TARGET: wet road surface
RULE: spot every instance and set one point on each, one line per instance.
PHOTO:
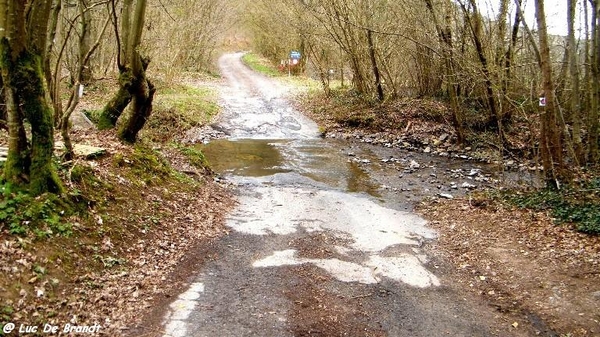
(317, 246)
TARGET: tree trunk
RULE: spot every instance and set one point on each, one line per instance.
(593, 122)
(22, 47)
(445, 38)
(508, 59)
(141, 107)
(475, 24)
(16, 168)
(134, 86)
(114, 108)
(374, 66)
(575, 104)
(85, 41)
(551, 148)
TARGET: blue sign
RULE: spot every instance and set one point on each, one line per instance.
(295, 55)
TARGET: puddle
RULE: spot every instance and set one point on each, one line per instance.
(246, 157)
(317, 159)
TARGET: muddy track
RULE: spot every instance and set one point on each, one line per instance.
(318, 247)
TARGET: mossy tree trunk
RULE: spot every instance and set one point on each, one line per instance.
(114, 108)
(142, 93)
(22, 49)
(134, 86)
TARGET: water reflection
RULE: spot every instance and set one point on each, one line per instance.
(246, 157)
(317, 159)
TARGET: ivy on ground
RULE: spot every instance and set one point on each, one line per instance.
(578, 204)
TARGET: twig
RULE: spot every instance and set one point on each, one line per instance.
(165, 8)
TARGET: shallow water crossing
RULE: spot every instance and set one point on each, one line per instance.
(302, 183)
(315, 247)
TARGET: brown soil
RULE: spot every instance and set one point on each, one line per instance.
(319, 312)
(521, 263)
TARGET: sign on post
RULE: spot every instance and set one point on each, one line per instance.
(295, 55)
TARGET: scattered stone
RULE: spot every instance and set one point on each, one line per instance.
(446, 195)
(85, 151)
(414, 165)
(467, 185)
(427, 150)
(474, 172)
(3, 153)
(365, 161)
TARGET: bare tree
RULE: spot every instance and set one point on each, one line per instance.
(550, 140)
(134, 86)
(575, 101)
(593, 122)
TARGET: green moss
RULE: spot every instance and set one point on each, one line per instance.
(108, 117)
(148, 165)
(194, 156)
(27, 80)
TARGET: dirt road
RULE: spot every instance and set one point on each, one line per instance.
(317, 248)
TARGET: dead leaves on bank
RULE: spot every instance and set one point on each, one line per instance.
(118, 262)
(523, 264)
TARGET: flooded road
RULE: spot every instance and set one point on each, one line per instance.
(319, 244)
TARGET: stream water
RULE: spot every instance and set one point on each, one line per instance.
(318, 159)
